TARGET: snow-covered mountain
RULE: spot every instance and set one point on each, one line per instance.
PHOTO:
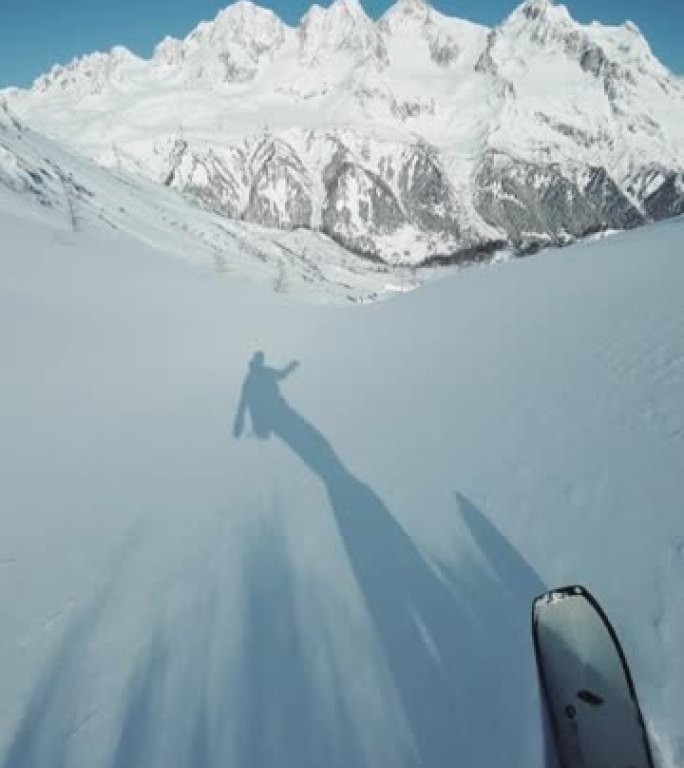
(411, 138)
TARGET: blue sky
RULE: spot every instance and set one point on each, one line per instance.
(34, 34)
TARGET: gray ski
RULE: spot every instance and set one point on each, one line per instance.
(587, 686)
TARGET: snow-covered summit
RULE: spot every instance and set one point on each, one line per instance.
(432, 37)
(343, 27)
(228, 49)
(548, 27)
(241, 23)
(404, 11)
(89, 74)
(541, 18)
(546, 10)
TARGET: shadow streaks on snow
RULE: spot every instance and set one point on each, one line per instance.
(53, 713)
(236, 679)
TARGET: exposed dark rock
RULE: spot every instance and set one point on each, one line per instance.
(581, 136)
(668, 199)
(426, 193)
(175, 156)
(359, 205)
(538, 204)
(614, 208)
(360, 197)
(280, 193)
(487, 65)
(236, 71)
(443, 50)
(473, 254)
(218, 183)
(485, 62)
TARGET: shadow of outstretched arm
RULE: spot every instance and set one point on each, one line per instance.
(283, 373)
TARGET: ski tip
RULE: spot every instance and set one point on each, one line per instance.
(560, 593)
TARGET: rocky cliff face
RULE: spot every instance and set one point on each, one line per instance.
(328, 181)
(537, 204)
(404, 139)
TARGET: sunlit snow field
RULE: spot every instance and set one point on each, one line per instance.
(354, 588)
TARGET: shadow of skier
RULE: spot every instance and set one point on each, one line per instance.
(438, 629)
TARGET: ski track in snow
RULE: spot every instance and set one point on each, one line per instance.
(354, 588)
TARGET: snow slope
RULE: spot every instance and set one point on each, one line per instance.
(355, 589)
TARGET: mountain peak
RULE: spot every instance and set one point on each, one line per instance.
(340, 11)
(532, 9)
(411, 6)
(244, 10)
(236, 19)
(351, 8)
(539, 12)
(403, 10)
(540, 19)
(229, 48)
(342, 27)
(89, 72)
